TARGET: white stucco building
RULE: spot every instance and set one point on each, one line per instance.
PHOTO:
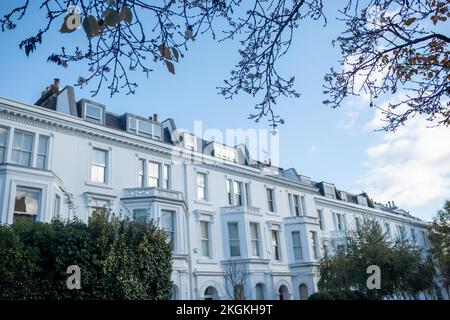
(63, 157)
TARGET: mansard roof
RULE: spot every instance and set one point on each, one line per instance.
(64, 101)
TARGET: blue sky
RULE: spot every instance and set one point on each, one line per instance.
(411, 167)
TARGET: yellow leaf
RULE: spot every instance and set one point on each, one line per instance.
(410, 21)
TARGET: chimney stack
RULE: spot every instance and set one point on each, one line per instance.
(55, 86)
(155, 117)
(389, 204)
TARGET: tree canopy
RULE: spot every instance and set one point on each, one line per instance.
(440, 240)
(403, 268)
(389, 47)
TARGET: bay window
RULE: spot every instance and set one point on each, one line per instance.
(27, 204)
(233, 239)
(3, 143)
(168, 225)
(297, 246)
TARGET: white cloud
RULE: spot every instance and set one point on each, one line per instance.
(410, 166)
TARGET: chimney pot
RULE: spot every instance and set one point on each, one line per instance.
(56, 83)
(155, 117)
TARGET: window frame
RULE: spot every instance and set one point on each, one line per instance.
(204, 186)
(21, 150)
(271, 206)
(6, 131)
(230, 192)
(238, 193)
(207, 239)
(166, 176)
(106, 174)
(22, 213)
(44, 155)
(90, 118)
(173, 232)
(298, 246)
(234, 240)
(57, 206)
(321, 220)
(314, 245)
(149, 178)
(276, 245)
(141, 172)
(255, 242)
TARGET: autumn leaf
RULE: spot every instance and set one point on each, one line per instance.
(189, 34)
(167, 53)
(170, 67)
(90, 26)
(126, 14)
(175, 53)
(410, 21)
(112, 18)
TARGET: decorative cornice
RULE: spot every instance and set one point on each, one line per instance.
(67, 124)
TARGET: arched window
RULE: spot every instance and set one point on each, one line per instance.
(259, 291)
(303, 292)
(174, 293)
(239, 292)
(211, 293)
(283, 293)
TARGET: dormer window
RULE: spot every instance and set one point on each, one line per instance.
(343, 196)
(144, 128)
(93, 113)
(362, 200)
(189, 141)
(224, 152)
(329, 191)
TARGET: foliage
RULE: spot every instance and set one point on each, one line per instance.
(440, 240)
(400, 48)
(118, 259)
(338, 295)
(388, 45)
(404, 269)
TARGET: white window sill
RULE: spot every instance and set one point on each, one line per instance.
(99, 185)
(205, 260)
(204, 202)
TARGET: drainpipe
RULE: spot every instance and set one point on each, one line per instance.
(186, 195)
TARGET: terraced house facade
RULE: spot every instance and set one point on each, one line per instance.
(61, 157)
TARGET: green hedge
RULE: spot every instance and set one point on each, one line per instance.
(118, 259)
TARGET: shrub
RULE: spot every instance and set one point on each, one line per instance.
(118, 259)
